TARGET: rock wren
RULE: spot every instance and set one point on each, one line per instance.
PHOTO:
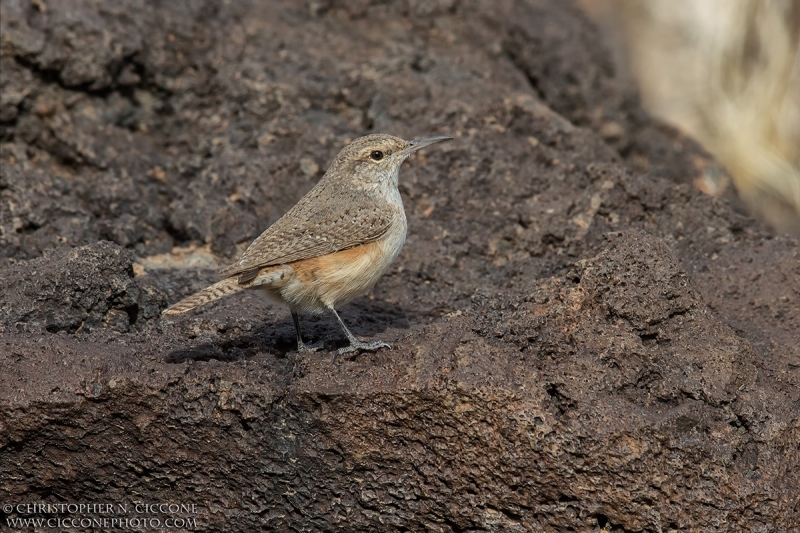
(334, 244)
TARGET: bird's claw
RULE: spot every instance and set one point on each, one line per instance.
(310, 348)
(357, 345)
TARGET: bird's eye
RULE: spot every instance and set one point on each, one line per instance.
(376, 155)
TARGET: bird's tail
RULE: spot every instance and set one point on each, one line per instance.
(226, 287)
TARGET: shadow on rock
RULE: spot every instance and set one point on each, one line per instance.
(366, 319)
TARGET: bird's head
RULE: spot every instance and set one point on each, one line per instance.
(376, 159)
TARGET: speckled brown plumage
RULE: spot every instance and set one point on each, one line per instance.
(335, 243)
(330, 218)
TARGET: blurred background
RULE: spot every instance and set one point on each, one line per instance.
(728, 74)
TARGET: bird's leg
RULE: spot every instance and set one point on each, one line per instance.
(301, 346)
(355, 344)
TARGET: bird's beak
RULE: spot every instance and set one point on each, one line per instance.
(416, 144)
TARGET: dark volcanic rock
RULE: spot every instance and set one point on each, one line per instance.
(77, 291)
(581, 340)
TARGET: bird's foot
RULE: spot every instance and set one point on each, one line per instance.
(357, 345)
(306, 348)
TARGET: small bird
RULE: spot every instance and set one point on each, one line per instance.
(334, 244)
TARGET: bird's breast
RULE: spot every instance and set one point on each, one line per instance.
(335, 279)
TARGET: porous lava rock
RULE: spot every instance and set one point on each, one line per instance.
(581, 340)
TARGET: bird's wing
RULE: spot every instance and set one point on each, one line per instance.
(327, 220)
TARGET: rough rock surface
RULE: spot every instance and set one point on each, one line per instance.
(582, 341)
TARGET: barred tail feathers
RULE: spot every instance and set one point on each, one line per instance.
(226, 287)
